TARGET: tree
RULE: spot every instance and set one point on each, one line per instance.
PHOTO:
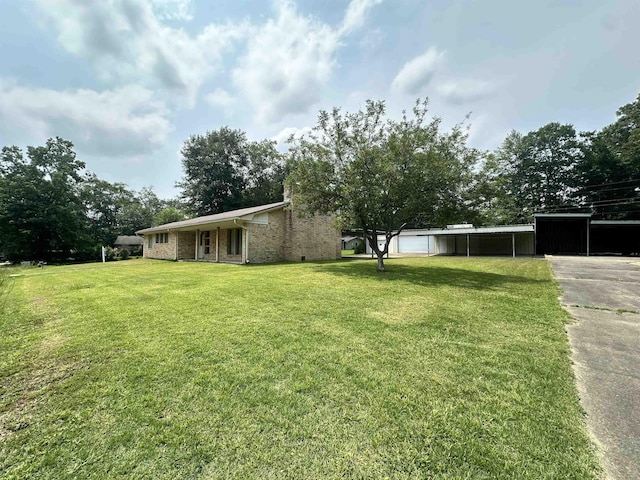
(104, 203)
(214, 166)
(535, 172)
(168, 215)
(381, 175)
(139, 212)
(491, 201)
(610, 170)
(265, 174)
(41, 213)
(224, 171)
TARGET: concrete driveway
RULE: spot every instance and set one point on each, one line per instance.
(603, 295)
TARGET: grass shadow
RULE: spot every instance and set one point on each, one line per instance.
(426, 275)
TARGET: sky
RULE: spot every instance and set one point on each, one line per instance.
(128, 81)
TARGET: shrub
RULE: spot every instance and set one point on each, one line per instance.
(124, 254)
(359, 248)
(111, 254)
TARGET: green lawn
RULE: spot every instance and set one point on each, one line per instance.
(441, 368)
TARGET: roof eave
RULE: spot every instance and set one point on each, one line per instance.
(194, 223)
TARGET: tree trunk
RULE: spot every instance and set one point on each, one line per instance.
(381, 263)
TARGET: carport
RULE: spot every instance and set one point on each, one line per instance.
(578, 234)
(465, 239)
(562, 233)
(611, 237)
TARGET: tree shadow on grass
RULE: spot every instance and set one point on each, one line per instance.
(425, 275)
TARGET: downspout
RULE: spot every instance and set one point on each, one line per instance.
(246, 243)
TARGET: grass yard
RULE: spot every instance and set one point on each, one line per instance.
(441, 368)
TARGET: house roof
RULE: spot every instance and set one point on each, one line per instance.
(128, 240)
(240, 214)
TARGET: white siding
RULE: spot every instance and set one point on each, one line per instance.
(416, 244)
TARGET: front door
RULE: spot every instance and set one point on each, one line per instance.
(204, 245)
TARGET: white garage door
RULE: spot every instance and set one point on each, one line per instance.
(412, 243)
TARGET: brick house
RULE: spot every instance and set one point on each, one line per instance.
(263, 234)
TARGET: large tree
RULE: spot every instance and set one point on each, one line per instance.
(41, 213)
(610, 170)
(536, 172)
(104, 203)
(381, 175)
(265, 174)
(213, 167)
(224, 171)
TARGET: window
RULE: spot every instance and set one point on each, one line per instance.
(234, 241)
(205, 241)
(150, 241)
(162, 238)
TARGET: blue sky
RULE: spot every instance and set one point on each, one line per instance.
(128, 81)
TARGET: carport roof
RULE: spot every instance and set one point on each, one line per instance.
(527, 227)
(615, 222)
(562, 215)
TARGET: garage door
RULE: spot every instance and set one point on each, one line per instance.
(413, 243)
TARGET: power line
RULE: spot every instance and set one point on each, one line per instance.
(598, 202)
(626, 187)
(563, 208)
(611, 183)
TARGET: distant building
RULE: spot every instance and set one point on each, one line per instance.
(128, 242)
(349, 243)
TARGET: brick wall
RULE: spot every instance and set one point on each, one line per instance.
(224, 256)
(314, 238)
(166, 251)
(186, 245)
(267, 242)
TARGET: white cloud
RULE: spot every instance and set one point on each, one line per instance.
(220, 98)
(173, 9)
(283, 135)
(356, 13)
(466, 90)
(126, 42)
(124, 121)
(289, 59)
(417, 72)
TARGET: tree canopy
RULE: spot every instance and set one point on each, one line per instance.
(554, 169)
(224, 171)
(51, 208)
(379, 174)
(40, 210)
